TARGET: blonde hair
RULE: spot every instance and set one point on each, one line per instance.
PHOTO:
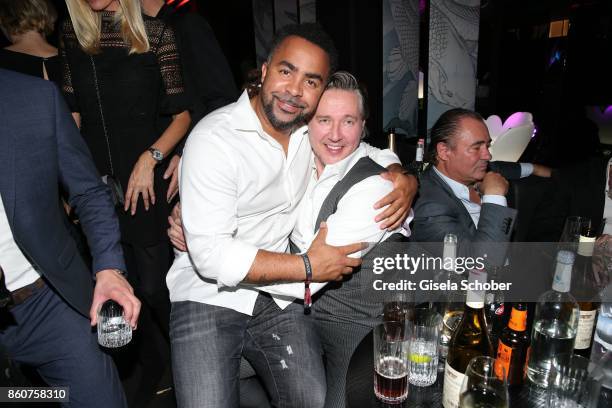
(88, 25)
(18, 17)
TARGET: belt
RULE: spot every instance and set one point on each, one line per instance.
(22, 294)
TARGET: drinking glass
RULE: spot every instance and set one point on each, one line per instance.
(391, 348)
(482, 387)
(424, 345)
(113, 330)
(567, 384)
(399, 307)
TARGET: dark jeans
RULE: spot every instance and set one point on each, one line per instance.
(208, 341)
(48, 335)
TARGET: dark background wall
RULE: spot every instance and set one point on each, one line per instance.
(519, 66)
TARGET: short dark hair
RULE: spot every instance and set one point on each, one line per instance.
(446, 129)
(346, 81)
(311, 32)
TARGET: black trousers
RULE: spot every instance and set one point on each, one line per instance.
(144, 362)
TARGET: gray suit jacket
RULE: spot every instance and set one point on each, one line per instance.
(41, 149)
(438, 211)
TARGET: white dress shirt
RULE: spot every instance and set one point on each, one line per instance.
(462, 192)
(239, 193)
(18, 271)
(352, 222)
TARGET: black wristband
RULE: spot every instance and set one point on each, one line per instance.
(308, 268)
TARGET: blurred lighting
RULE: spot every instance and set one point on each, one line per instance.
(421, 80)
(558, 28)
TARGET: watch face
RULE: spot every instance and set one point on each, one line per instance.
(157, 155)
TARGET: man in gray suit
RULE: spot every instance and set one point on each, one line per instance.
(458, 193)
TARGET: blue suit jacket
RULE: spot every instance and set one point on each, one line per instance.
(41, 149)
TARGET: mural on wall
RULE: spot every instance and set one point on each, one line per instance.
(400, 65)
(271, 15)
(453, 53)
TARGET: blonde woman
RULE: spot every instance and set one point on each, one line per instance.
(121, 71)
(26, 24)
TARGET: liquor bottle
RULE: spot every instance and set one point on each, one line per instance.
(555, 324)
(495, 308)
(391, 144)
(585, 292)
(512, 347)
(470, 339)
(452, 303)
(417, 165)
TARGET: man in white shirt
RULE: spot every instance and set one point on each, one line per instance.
(243, 174)
(342, 190)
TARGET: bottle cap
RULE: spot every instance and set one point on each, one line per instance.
(565, 257)
(563, 271)
(586, 245)
(449, 252)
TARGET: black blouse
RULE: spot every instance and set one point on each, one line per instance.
(119, 111)
(32, 65)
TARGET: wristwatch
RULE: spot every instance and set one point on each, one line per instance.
(157, 155)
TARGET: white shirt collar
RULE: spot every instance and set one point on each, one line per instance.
(342, 167)
(461, 191)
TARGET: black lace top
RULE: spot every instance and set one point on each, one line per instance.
(131, 92)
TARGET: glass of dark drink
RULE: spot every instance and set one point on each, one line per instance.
(398, 308)
(391, 351)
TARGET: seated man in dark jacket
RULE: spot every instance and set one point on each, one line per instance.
(460, 193)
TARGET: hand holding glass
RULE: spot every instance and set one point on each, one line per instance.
(113, 330)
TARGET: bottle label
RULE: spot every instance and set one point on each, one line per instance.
(563, 277)
(452, 387)
(518, 320)
(585, 329)
(502, 363)
(419, 154)
(475, 305)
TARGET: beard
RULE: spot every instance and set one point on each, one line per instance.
(268, 106)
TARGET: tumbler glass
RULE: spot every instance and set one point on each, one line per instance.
(113, 330)
(424, 348)
(391, 348)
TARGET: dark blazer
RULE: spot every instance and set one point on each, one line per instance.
(41, 149)
(438, 211)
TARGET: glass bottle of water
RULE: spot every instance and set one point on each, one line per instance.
(555, 324)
